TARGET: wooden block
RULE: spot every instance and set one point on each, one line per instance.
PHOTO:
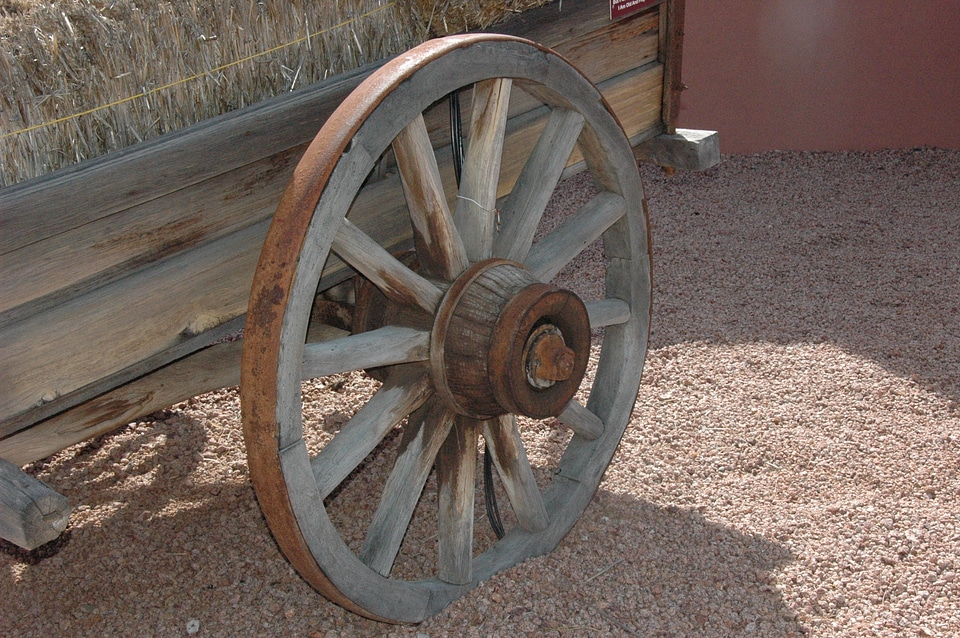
(31, 513)
(687, 149)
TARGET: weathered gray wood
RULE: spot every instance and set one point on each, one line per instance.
(31, 513)
(402, 393)
(78, 195)
(475, 214)
(510, 459)
(581, 420)
(385, 346)
(428, 430)
(437, 241)
(456, 476)
(62, 267)
(210, 369)
(524, 207)
(607, 312)
(687, 149)
(549, 255)
(395, 280)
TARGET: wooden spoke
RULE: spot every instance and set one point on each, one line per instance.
(522, 212)
(510, 459)
(456, 475)
(439, 247)
(426, 431)
(607, 312)
(477, 200)
(404, 391)
(381, 347)
(581, 420)
(396, 281)
(549, 255)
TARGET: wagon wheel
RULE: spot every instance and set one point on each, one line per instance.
(467, 336)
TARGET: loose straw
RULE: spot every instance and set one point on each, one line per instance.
(197, 76)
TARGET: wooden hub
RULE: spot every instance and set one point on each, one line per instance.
(504, 342)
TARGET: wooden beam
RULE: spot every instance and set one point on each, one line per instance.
(81, 348)
(31, 513)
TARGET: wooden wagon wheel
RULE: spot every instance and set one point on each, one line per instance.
(466, 336)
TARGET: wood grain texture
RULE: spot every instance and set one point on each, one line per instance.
(475, 214)
(439, 246)
(524, 207)
(422, 441)
(395, 280)
(566, 241)
(456, 479)
(31, 513)
(405, 391)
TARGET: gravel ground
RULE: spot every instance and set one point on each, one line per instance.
(791, 467)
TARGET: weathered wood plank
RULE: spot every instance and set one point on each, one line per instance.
(396, 281)
(78, 195)
(74, 345)
(566, 241)
(209, 369)
(439, 246)
(385, 346)
(671, 54)
(67, 265)
(31, 513)
(524, 208)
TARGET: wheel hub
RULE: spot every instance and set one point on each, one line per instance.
(505, 342)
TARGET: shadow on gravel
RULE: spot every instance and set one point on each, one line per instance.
(628, 567)
(152, 548)
(631, 567)
(858, 249)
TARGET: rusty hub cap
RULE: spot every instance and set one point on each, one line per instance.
(504, 342)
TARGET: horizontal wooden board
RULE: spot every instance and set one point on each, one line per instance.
(73, 261)
(61, 352)
(66, 199)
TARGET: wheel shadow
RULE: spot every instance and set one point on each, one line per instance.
(628, 567)
(857, 249)
(631, 567)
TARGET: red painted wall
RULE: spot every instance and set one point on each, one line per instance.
(823, 74)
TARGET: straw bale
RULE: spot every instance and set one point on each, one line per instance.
(84, 77)
(444, 17)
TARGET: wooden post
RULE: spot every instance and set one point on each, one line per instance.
(31, 513)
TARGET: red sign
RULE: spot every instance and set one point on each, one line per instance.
(623, 8)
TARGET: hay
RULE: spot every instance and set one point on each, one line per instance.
(443, 17)
(85, 77)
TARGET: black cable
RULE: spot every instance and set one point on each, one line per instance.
(456, 135)
(489, 497)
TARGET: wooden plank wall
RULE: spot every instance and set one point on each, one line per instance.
(111, 269)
